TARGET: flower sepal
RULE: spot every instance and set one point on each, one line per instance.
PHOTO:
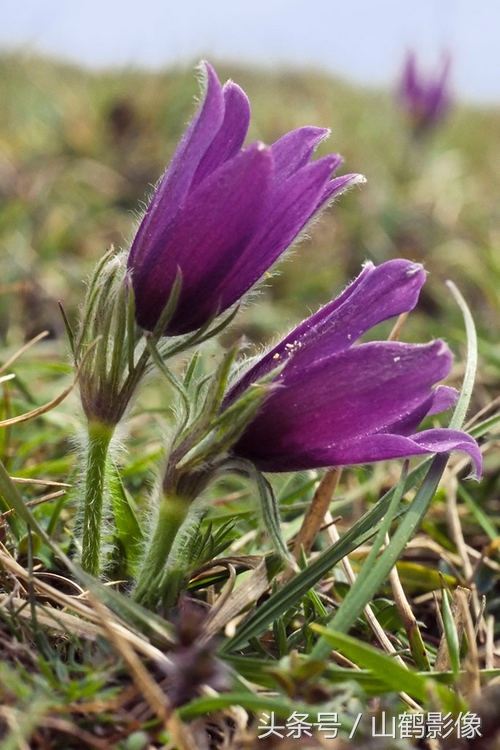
(207, 432)
(200, 454)
(109, 347)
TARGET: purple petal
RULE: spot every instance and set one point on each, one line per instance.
(290, 207)
(382, 446)
(378, 293)
(294, 149)
(365, 450)
(443, 398)
(363, 390)
(231, 134)
(197, 138)
(425, 99)
(410, 74)
(440, 399)
(367, 388)
(445, 441)
(216, 221)
(175, 183)
(369, 449)
(336, 187)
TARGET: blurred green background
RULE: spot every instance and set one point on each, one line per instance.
(80, 153)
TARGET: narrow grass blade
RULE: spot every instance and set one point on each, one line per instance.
(372, 577)
(292, 592)
(395, 677)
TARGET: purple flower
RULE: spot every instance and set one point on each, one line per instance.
(425, 100)
(335, 403)
(223, 214)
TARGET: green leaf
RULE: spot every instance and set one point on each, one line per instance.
(450, 632)
(417, 578)
(257, 703)
(388, 671)
(462, 405)
(290, 595)
(373, 574)
(128, 529)
(480, 516)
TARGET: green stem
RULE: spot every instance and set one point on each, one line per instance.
(99, 438)
(172, 513)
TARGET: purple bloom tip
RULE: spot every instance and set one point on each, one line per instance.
(223, 213)
(425, 100)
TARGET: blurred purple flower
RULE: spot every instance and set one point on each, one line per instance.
(223, 214)
(425, 100)
(334, 403)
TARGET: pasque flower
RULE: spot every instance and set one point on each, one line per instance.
(338, 402)
(424, 99)
(222, 213)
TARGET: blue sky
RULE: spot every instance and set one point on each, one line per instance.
(362, 40)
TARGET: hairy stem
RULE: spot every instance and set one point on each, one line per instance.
(172, 513)
(99, 438)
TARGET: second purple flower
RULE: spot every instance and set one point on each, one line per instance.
(337, 402)
(223, 214)
(425, 100)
